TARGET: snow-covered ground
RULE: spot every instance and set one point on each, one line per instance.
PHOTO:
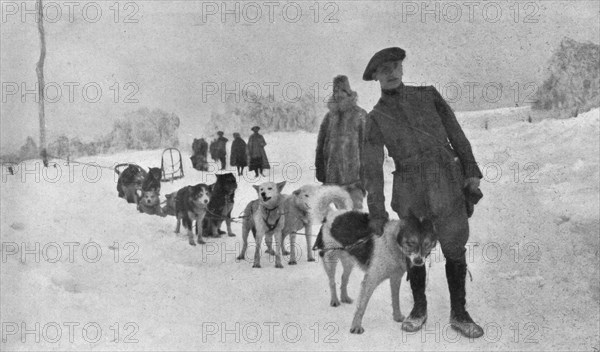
(82, 270)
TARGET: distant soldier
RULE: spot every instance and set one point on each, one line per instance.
(239, 157)
(218, 149)
(256, 152)
(339, 143)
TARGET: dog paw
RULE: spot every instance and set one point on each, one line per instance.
(270, 251)
(284, 252)
(335, 303)
(279, 266)
(292, 262)
(357, 330)
(221, 232)
(201, 242)
(192, 243)
(232, 235)
(256, 266)
(311, 259)
(398, 317)
(347, 299)
(240, 257)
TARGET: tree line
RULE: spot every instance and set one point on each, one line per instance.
(137, 130)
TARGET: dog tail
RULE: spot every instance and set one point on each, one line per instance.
(328, 195)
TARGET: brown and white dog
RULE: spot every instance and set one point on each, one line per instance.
(345, 236)
(190, 205)
(149, 203)
(296, 208)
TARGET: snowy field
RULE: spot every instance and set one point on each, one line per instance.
(83, 270)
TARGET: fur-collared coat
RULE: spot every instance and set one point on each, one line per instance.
(339, 143)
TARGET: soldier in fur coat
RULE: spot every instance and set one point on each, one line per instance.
(339, 143)
(218, 149)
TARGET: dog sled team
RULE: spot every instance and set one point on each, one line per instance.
(435, 187)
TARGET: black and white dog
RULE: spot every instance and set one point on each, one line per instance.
(345, 236)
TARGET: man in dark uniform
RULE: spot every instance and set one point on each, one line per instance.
(221, 149)
(436, 176)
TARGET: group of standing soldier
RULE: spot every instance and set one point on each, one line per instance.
(436, 175)
(252, 154)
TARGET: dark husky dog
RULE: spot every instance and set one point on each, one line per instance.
(220, 205)
(152, 180)
(345, 236)
(130, 182)
(190, 205)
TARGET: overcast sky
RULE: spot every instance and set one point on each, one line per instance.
(179, 56)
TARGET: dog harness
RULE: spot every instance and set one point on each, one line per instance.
(266, 220)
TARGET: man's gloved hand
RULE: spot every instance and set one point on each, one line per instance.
(376, 225)
(472, 184)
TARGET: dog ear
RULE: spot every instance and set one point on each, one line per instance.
(256, 188)
(297, 192)
(280, 186)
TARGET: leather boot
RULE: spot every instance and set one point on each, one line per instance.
(460, 320)
(418, 315)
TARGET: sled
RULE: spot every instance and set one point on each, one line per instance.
(171, 165)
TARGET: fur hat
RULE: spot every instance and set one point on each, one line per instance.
(220, 133)
(381, 57)
(342, 83)
(255, 128)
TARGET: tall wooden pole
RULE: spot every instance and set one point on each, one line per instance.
(40, 76)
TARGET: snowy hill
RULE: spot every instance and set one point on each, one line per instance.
(493, 118)
(94, 274)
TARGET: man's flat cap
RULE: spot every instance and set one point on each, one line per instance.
(383, 56)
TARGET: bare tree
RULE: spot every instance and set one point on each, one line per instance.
(40, 75)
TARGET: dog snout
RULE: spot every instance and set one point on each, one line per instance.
(205, 201)
(418, 261)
